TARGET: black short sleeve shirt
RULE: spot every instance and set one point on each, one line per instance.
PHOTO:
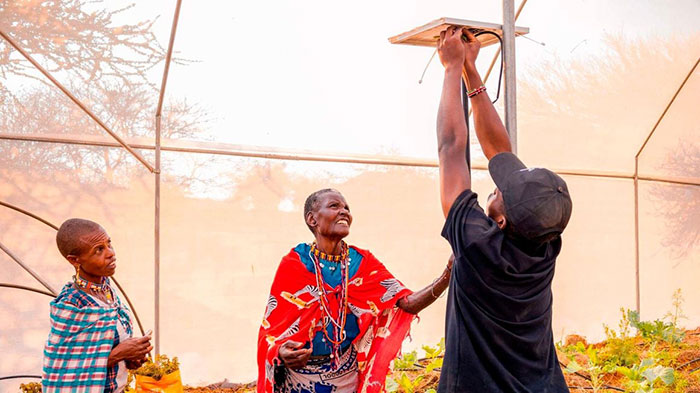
(498, 325)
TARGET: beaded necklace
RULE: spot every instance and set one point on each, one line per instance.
(338, 322)
(102, 287)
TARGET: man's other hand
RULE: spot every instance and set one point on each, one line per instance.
(450, 47)
(471, 49)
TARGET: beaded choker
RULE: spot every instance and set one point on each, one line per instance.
(103, 287)
(328, 257)
(337, 319)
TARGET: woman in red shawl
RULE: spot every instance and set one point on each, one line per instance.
(335, 316)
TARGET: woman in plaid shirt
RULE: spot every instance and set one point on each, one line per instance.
(90, 345)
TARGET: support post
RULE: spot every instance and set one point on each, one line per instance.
(156, 241)
(509, 66)
(159, 113)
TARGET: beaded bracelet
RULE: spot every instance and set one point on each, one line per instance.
(474, 92)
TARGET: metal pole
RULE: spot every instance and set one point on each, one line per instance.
(637, 290)
(26, 288)
(76, 101)
(224, 149)
(27, 213)
(156, 243)
(509, 65)
(498, 53)
(159, 112)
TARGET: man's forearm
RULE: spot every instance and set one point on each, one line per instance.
(451, 129)
(489, 128)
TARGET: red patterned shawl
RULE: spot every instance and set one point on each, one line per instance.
(293, 311)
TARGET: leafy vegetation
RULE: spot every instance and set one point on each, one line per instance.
(158, 369)
(31, 387)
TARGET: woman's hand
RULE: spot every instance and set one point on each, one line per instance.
(133, 364)
(130, 349)
(293, 355)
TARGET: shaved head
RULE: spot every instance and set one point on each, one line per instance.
(312, 201)
(70, 234)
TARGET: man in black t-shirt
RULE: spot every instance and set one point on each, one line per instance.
(499, 310)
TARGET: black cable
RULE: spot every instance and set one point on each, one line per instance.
(20, 376)
(500, 72)
(465, 103)
(465, 96)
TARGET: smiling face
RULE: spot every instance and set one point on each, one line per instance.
(330, 217)
(96, 257)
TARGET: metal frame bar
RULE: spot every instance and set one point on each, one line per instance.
(292, 155)
(76, 100)
(26, 288)
(28, 269)
(27, 213)
(636, 178)
(159, 112)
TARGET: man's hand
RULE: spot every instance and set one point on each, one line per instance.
(450, 48)
(471, 50)
(293, 355)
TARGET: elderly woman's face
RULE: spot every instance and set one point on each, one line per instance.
(97, 257)
(333, 218)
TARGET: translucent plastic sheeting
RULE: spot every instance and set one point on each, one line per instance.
(223, 244)
(669, 238)
(121, 201)
(314, 77)
(334, 82)
(220, 255)
(674, 148)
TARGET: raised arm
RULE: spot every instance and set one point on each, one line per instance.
(451, 127)
(489, 128)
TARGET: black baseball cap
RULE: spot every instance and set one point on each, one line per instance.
(536, 200)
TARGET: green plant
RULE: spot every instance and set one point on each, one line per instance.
(391, 385)
(620, 349)
(406, 361)
(647, 376)
(656, 329)
(594, 367)
(161, 367)
(676, 314)
(409, 385)
(434, 354)
(410, 362)
(31, 387)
